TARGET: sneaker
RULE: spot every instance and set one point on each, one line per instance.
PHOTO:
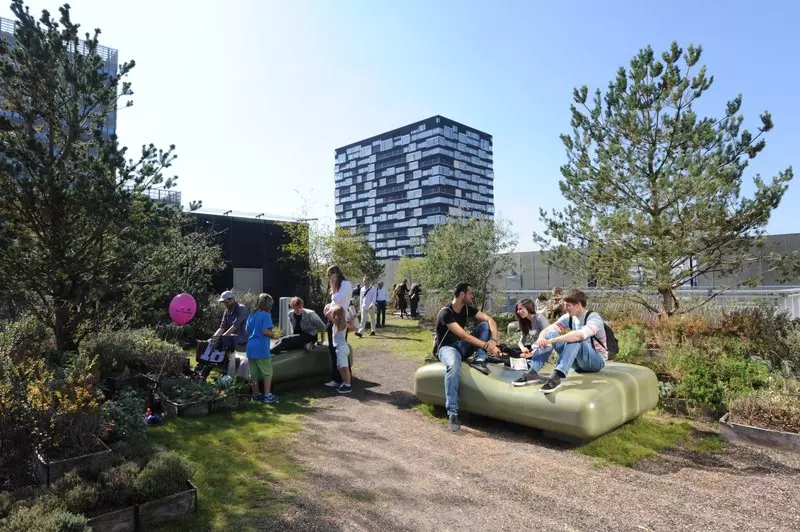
(309, 346)
(359, 334)
(372, 333)
(453, 422)
(270, 398)
(481, 366)
(258, 398)
(552, 384)
(345, 388)
(332, 384)
(525, 379)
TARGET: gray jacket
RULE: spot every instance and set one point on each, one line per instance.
(310, 323)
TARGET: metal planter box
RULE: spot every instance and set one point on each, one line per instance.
(737, 433)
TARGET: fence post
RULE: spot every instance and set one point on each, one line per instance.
(283, 317)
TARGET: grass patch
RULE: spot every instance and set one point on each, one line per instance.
(235, 458)
(705, 445)
(641, 438)
(402, 338)
(432, 411)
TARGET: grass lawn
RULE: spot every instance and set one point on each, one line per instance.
(402, 338)
(235, 458)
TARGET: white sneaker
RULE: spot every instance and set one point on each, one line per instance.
(332, 384)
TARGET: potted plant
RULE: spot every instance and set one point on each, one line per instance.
(765, 418)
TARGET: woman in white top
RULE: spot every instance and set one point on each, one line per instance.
(341, 292)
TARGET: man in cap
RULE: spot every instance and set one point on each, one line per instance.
(232, 324)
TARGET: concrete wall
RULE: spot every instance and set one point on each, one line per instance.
(531, 273)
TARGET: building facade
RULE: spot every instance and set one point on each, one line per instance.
(397, 186)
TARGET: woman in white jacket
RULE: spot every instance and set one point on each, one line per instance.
(341, 292)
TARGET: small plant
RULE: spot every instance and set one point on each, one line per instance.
(118, 485)
(6, 504)
(78, 495)
(126, 413)
(192, 391)
(43, 518)
(133, 351)
(769, 410)
(166, 474)
(632, 345)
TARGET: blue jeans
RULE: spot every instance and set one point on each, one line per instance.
(579, 355)
(452, 356)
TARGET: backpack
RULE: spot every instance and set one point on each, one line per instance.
(611, 339)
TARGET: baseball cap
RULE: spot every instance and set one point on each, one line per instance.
(224, 296)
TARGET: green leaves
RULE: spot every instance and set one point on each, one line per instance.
(653, 191)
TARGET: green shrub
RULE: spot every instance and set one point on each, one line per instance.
(139, 351)
(26, 338)
(767, 409)
(127, 414)
(632, 345)
(164, 475)
(6, 503)
(766, 333)
(503, 319)
(138, 451)
(190, 390)
(709, 378)
(43, 518)
(118, 485)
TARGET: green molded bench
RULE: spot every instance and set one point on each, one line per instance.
(587, 405)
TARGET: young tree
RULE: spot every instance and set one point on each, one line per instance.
(654, 191)
(74, 215)
(409, 268)
(470, 250)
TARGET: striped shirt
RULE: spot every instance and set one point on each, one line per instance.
(594, 328)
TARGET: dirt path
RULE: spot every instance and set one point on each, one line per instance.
(375, 464)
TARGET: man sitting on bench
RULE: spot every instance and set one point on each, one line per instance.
(583, 348)
(304, 326)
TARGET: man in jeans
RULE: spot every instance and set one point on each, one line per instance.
(583, 348)
(453, 344)
(381, 298)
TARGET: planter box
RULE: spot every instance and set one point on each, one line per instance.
(117, 521)
(224, 404)
(155, 512)
(736, 433)
(48, 471)
(200, 408)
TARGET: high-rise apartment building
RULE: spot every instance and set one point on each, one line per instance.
(398, 185)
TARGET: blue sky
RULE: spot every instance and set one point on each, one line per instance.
(257, 95)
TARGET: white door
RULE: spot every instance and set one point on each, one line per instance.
(248, 280)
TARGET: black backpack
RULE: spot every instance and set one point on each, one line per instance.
(611, 339)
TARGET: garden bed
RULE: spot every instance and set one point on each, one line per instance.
(47, 471)
(123, 520)
(194, 409)
(154, 512)
(738, 433)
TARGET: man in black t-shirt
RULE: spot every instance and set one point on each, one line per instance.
(453, 344)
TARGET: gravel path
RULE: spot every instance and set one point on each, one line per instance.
(373, 463)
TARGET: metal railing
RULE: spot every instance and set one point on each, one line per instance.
(784, 298)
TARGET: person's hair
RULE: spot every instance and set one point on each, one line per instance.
(295, 302)
(380, 283)
(264, 302)
(527, 304)
(575, 296)
(460, 288)
(338, 317)
(337, 282)
(543, 296)
(557, 291)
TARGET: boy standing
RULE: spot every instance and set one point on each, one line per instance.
(259, 327)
